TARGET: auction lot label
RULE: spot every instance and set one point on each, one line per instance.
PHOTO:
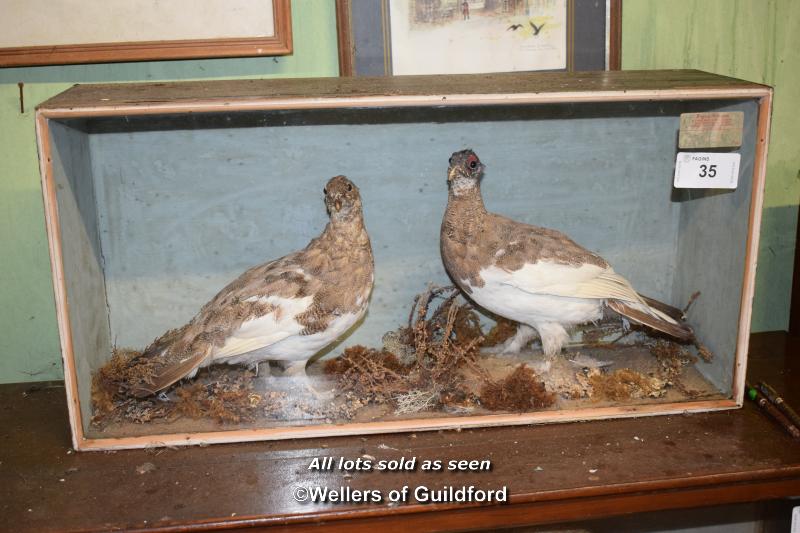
(706, 170)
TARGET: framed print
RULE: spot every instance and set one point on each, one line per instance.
(476, 36)
(54, 32)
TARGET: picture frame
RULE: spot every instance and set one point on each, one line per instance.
(165, 39)
(593, 36)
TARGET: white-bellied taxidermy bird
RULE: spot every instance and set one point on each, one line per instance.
(536, 276)
(283, 310)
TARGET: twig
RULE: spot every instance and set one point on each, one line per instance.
(619, 338)
(692, 298)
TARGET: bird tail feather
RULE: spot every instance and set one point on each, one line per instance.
(158, 370)
(652, 316)
(166, 375)
(673, 312)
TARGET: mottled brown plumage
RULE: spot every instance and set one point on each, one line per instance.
(471, 237)
(335, 271)
(533, 275)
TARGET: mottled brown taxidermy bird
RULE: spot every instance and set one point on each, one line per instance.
(536, 276)
(284, 310)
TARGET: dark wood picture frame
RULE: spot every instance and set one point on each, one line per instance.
(347, 46)
(278, 44)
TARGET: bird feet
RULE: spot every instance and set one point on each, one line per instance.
(297, 371)
(516, 343)
(321, 395)
(541, 367)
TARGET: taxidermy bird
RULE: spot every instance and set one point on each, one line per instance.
(284, 310)
(536, 276)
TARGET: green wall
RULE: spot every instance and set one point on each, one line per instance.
(757, 40)
(29, 348)
(751, 39)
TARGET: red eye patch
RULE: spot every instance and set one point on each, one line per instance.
(472, 161)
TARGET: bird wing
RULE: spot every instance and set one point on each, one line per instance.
(260, 308)
(594, 282)
(545, 261)
(263, 331)
(571, 281)
(606, 284)
(253, 311)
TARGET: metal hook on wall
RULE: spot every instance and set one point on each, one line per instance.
(21, 97)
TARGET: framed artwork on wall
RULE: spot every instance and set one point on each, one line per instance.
(477, 36)
(58, 32)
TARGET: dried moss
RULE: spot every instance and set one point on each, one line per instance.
(128, 372)
(520, 391)
(108, 383)
(503, 330)
(467, 324)
(443, 343)
(375, 375)
(354, 356)
(225, 394)
(459, 400)
(704, 353)
(624, 384)
(222, 396)
(672, 359)
(440, 343)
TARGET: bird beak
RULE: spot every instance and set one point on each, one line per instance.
(450, 172)
(337, 205)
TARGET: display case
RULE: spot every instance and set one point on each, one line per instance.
(157, 195)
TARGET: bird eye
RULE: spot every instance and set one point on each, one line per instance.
(349, 186)
(450, 161)
(325, 192)
(473, 164)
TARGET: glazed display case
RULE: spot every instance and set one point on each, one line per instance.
(157, 195)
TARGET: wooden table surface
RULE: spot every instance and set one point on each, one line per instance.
(553, 473)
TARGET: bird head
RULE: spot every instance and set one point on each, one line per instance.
(342, 199)
(465, 172)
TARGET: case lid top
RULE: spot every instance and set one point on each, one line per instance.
(464, 89)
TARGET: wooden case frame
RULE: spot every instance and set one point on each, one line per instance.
(87, 101)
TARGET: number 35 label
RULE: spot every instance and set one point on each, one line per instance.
(698, 170)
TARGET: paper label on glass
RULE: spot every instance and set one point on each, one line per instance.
(709, 170)
(711, 130)
(474, 36)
